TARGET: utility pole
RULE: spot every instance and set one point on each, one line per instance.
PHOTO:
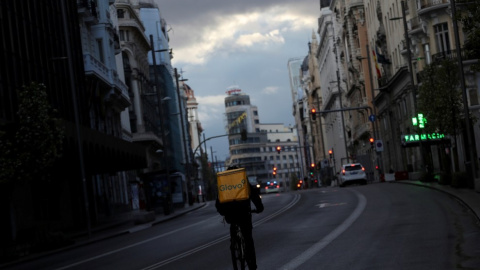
(162, 116)
(184, 136)
(469, 162)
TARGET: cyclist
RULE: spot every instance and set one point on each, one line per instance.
(240, 213)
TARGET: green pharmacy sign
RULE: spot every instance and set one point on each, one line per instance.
(419, 121)
(423, 137)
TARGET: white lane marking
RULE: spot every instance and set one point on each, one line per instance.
(223, 238)
(317, 247)
(134, 245)
(177, 257)
(323, 205)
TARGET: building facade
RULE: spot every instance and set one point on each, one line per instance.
(253, 145)
(73, 54)
(373, 74)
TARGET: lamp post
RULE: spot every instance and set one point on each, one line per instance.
(77, 119)
(160, 110)
(372, 93)
(410, 67)
(187, 163)
(469, 164)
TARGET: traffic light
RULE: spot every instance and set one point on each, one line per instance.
(330, 152)
(274, 171)
(311, 173)
(300, 182)
(314, 114)
(372, 140)
(312, 165)
(279, 148)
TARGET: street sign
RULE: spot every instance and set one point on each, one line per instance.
(325, 163)
(372, 118)
(379, 145)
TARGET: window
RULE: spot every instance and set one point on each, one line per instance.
(441, 37)
(100, 55)
(121, 13)
(124, 35)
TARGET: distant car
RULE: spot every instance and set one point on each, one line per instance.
(272, 187)
(353, 173)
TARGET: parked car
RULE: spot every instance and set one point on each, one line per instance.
(353, 173)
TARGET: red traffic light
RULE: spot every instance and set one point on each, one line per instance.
(279, 148)
(372, 140)
(312, 165)
(314, 114)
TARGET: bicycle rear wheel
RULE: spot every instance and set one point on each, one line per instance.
(238, 250)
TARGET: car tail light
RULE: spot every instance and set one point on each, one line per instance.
(363, 169)
(266, 187)
(278, 186)
(343, 171)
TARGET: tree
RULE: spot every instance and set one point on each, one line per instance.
(35, 141)
(468, 13)
(440, 99)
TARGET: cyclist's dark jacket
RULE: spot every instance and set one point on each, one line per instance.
(239, 211)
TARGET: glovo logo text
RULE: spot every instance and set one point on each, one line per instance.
(233, 187)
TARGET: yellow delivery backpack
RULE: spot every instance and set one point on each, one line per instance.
(233, 185)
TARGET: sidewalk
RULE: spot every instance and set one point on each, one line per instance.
(132, 222)
(122, 224)
(469, 197)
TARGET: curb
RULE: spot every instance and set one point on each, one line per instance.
(457, 198)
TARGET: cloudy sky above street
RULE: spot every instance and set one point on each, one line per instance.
(221, 43)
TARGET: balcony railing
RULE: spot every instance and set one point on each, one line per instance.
(431, 5)
(109, 76)
(452, 54)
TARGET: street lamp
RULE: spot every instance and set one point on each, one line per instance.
(410, 67)
(160, 110)
(187, 162)
(372, 92)
(409, 55)
(470, 165)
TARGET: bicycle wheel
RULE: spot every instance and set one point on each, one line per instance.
(238, 250)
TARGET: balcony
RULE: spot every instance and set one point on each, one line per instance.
(452, 54)
(110, 77)
(427, 6)
(355, 3)
(88, 10)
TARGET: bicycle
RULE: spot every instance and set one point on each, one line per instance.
(238, 248)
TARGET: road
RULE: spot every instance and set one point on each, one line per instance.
(377, 226)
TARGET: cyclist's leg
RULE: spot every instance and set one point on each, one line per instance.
(250, 255)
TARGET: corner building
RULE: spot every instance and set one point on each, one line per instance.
(257, 150)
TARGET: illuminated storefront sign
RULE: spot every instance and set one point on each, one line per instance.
(423, 137)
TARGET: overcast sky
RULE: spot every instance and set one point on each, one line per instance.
(220, 43)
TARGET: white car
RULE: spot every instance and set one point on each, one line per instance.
(272, 187)
(353, 173)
